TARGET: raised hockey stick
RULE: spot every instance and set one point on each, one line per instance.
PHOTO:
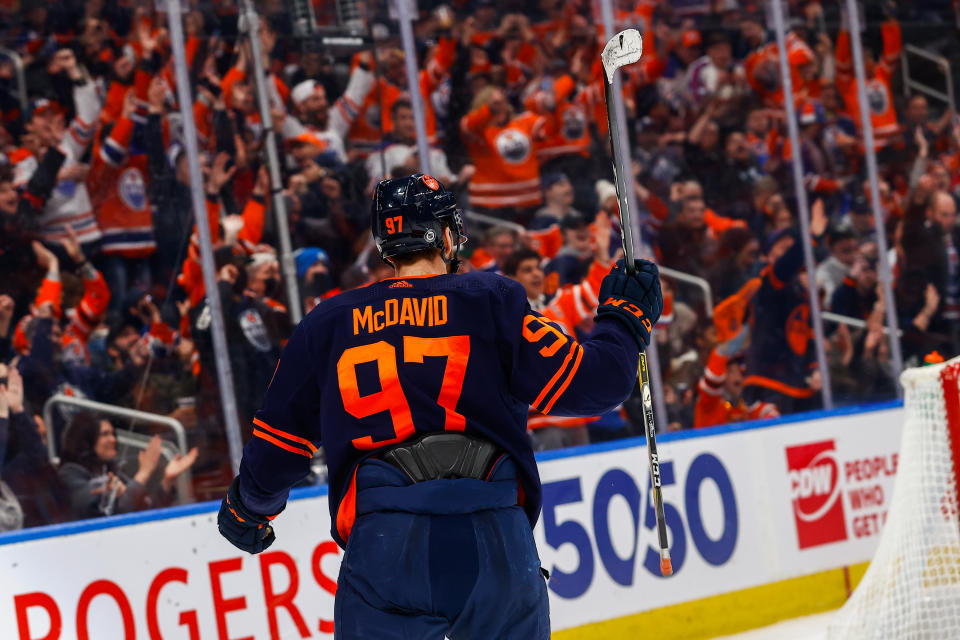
(626, 48)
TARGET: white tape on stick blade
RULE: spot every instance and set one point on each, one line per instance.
(624, 48)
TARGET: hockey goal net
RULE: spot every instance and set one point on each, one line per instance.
(912, 588)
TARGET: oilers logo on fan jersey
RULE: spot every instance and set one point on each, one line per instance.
(513, 146)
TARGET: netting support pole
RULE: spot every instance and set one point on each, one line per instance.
(217, 329)
(659, 403)
(252, 22)
(870, 153)
(803, 208)
(405, 11)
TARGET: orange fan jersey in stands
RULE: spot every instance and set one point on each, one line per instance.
(799, 54)
(50, 291)
(547, 242)
(730, 313)
(879, 96)
(572, 135)
(640, 18)
(85, 317)
(594, 99)
(711, 407)
(508, 174)
(375, 118)
(235, 75)
(118, 190)
(191, 274)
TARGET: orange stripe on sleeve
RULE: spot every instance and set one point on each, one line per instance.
(284, 434)
(281, 444)
(553, 380)
(566, 383)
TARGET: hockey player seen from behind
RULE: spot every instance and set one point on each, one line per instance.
(418, 387)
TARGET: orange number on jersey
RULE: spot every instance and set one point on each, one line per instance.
(543, 328)
(394, 224)
(456, 349)
(389, 398)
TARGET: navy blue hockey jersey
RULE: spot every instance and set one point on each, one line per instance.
(374, 366)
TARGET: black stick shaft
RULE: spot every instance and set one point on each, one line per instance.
(651, 433)
(620, 172)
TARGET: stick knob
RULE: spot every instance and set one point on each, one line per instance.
(666, 567)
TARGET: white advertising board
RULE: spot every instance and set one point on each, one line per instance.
(744, 506)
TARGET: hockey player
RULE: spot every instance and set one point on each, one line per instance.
(418, 388)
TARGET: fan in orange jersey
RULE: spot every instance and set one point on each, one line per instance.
(878, 73)
(568, 149)
(503, 148)
(124, 160)
(247, 236)
(720, 399)
(762, 68)
(373, 117)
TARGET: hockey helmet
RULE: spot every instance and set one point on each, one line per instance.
(410, 214)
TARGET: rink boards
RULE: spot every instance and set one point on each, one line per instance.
(767, 520)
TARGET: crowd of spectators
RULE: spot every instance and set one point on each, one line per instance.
(101, 287)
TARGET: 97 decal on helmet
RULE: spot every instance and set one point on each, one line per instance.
(409, 215)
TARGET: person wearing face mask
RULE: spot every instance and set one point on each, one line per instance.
(313, 276)
(257, 325)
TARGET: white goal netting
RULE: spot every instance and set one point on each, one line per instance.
(911, 590)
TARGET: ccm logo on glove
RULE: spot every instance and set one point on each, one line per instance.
(632, 308)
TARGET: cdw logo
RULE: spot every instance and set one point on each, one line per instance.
(814, 476)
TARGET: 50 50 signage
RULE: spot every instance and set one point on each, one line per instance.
(684, 519)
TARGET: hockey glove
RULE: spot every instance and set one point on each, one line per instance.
(245, 530)
(633, 299)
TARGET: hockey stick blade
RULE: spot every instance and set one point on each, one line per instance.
(624, 48)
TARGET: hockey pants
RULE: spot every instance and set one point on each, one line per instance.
(452, 558)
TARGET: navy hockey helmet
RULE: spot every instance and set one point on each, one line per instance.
(410, 214)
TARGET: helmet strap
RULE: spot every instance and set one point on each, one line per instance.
(453, 262)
